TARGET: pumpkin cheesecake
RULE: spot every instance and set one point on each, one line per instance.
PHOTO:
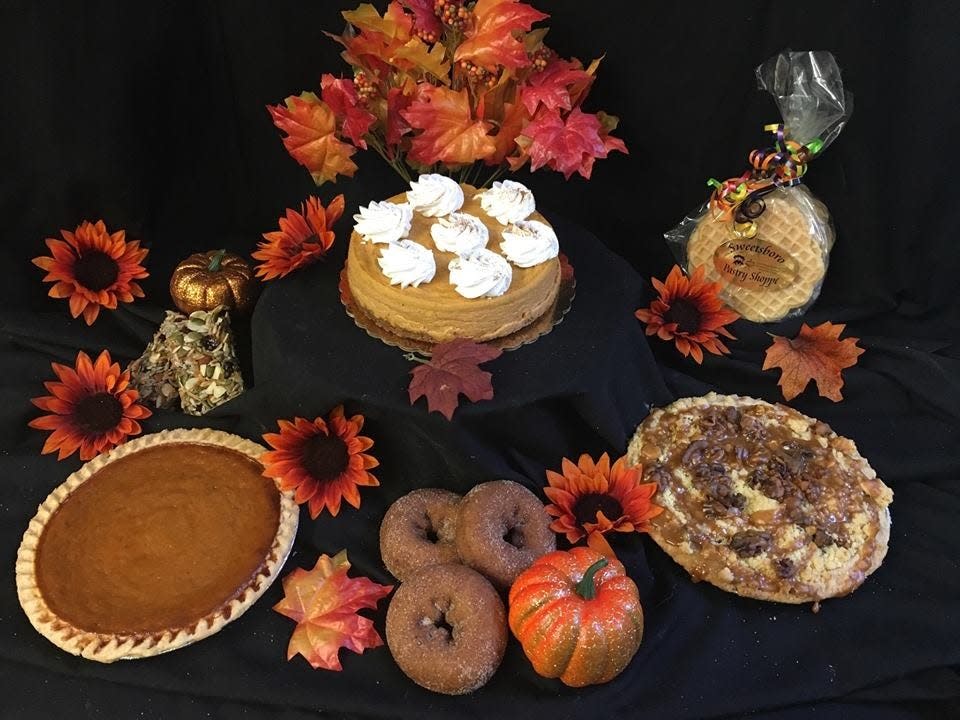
(447, 261)
(155, 545)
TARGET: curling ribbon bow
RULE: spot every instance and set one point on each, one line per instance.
(779, 166)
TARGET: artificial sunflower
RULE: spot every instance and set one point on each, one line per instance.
(690, 312)
(303, 238)
(94, 268)
(593, 497)
(323, 460)
(92, 408)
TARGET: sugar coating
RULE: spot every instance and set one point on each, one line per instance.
(404, 543)
(452, 661)
(501, 529)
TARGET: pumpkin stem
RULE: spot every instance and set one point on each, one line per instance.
(215, 260)
(586, 588)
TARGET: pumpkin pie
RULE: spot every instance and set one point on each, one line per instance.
(154, 545)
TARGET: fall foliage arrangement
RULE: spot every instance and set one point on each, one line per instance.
(468, 89)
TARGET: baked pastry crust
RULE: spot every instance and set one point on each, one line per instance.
(824, 531)
(795, 222)
(108, 647)
(434, 312)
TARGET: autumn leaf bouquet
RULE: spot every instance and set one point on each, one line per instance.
(467, 89)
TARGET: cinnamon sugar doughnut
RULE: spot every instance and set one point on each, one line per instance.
(501, 529)
(446, 629)
(419, 530)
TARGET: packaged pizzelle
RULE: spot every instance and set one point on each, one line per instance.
(763, 235)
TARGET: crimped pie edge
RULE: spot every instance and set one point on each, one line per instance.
(108, 647)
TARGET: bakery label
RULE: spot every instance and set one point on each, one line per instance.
(755, 264)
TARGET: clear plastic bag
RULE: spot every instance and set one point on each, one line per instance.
(763, 235)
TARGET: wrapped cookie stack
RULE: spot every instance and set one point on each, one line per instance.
(763, 235)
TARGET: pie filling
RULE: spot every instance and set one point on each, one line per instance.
(157, 540)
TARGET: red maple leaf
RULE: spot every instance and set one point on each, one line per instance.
(564, 145)
(551, 87)
(311, 138)
(324, 603)
(453, 370)
(581, 87)
(341, 95)
(450, 133)
(491, 39)
(397, 126)
(608, 123)
(425, 18)
(815, 354)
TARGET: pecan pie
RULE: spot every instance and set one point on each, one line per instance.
(154, 545)
(761, 500)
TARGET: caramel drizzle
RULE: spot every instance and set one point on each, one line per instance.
(738, 439)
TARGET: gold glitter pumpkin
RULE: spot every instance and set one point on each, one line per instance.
(216, 277)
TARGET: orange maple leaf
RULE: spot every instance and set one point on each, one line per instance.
(450, 133)
(311, 138)
(416, 55)
(515, 118)
(815, 354)
(389, 40)
(492, 41)
(324, 603)
(395, 23)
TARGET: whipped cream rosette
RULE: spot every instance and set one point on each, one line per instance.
(407, 263)
(482, 273)
(529, 242)
(508, 201)
(383, 222)
(459, 233)
(435, 195)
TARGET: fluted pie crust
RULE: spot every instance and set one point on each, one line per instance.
(161, 450)
(435, 312)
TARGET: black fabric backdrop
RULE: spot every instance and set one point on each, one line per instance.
(153, 119)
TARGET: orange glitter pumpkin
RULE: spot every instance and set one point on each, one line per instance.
(577, 616)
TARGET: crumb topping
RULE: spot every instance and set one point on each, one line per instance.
(759, 495)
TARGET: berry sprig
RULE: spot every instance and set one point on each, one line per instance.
(428, 36)
(477, 74)
(366, 88)
(540, 58)
(452, 13)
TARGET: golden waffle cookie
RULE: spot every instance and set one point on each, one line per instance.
(761, 500)
(777, 270)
